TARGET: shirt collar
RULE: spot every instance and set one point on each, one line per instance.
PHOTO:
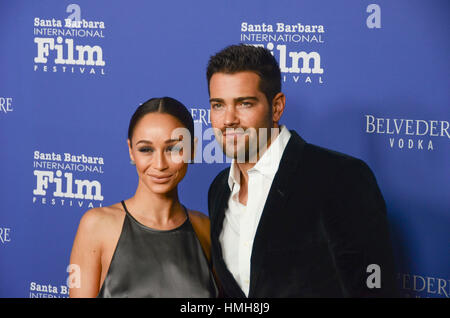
(234, 178)
(268, 164)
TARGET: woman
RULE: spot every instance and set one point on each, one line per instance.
(148, 245)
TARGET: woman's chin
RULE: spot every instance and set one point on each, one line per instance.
(161, 188)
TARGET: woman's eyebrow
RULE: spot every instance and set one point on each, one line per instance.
(149, 142)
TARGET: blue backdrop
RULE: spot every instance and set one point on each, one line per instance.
(366, 78)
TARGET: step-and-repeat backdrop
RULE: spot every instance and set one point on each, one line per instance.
(367, 78)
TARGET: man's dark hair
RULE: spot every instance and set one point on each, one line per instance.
(243, 57)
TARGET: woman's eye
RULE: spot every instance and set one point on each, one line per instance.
(174, 148)
(146, 149)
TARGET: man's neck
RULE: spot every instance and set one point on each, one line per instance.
(245, 166)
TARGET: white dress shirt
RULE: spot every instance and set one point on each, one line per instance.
(241, 221)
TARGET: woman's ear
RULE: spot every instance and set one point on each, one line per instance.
(130, 152)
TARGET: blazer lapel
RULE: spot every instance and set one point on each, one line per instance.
(220, 205)
(278, 194)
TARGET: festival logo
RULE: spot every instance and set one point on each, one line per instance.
(69, 44)
(67, 179)
(48, 290)
(51, 290)
(289, 44)
(404, 134)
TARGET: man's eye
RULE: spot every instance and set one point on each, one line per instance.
(246, 104)
(146, 149)
(216, 105)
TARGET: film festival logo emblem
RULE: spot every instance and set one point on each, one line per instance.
(61, 44)
(282, 39)
(50, 290)
(296, 65)
(57, 182)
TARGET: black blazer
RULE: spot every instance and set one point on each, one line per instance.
(323, 223)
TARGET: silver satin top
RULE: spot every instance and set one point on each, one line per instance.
(155, 263)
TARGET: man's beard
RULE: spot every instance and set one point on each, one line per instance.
(244, 145)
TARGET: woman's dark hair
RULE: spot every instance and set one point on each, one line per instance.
(243, 57)
(164, 105)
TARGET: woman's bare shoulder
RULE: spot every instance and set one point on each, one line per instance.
(100, 218)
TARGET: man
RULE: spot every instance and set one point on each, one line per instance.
(288, 219)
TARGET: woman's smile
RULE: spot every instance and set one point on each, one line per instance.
(160, 178)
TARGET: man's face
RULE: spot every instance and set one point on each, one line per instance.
(240, 114)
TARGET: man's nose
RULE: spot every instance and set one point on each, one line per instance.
(231, 118)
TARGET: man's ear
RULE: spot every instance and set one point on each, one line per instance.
(278, 104)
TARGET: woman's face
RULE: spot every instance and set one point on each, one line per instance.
(157, 153)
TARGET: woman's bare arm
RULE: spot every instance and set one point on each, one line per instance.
(85, 260)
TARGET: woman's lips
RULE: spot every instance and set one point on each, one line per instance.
(160, 179)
